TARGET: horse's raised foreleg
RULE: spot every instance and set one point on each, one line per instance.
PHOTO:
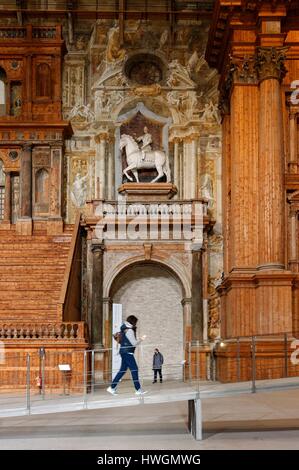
(125, 172)
(160, 173)
(131, 167)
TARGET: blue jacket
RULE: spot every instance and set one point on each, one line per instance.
(127, 345)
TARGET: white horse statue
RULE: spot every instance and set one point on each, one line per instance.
(153, 159)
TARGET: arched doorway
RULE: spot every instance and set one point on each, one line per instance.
(154, 295)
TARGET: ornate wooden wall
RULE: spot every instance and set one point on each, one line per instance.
(255, 47)
(31, 126)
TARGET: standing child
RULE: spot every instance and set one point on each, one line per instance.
(157, 365)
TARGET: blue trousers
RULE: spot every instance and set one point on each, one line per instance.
(127, 362)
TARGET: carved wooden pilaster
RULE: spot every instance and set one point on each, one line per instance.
(26, 182)
(7, 200)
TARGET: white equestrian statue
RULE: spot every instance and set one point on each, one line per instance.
(154, 159)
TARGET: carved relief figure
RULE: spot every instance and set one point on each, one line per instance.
(178, 73)
(79, 190)
(43, 80)
(154, 159)
(82, 111)
(210, 113)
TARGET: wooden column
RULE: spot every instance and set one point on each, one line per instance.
(293, 240)
(7, 200)
(55, 223)
(293, 164)
(239, 105)
(226, 191)
(244, 176)
(205, 286)
(96, 323)
(273, 283)
(197, 305)
(24, 222)
(110, 179)
(271, 166)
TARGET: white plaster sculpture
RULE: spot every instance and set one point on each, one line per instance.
(153, 159)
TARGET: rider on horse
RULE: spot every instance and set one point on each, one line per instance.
(146, 140)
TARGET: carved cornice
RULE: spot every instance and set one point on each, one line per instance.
(270, 62)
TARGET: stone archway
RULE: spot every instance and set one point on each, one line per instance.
(154, 295)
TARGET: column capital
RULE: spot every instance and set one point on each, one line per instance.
(239, 71)
(27, 147)
(97, 247)
(270, 62)
(186, 301)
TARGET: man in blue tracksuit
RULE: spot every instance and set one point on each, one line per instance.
(127, 349)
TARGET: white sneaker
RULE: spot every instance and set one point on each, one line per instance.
(112, 391)
(140, 392)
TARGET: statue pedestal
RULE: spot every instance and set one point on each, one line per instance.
(147, 191)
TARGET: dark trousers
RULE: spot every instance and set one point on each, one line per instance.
(156, 371)
(127, 362)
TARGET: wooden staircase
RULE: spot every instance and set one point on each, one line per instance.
(32, 271)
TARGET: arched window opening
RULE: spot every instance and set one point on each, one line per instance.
(2, 190)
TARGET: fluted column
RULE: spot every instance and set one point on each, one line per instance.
(7, 200)
(270, 66)
(242, 185)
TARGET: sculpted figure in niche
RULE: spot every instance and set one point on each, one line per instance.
(146, 140)
(210, 113)
(114, 50)
(206, 187)
(79, 190)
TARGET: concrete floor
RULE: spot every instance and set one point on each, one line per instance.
(261, 421)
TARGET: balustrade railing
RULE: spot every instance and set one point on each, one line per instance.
(42, 330)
